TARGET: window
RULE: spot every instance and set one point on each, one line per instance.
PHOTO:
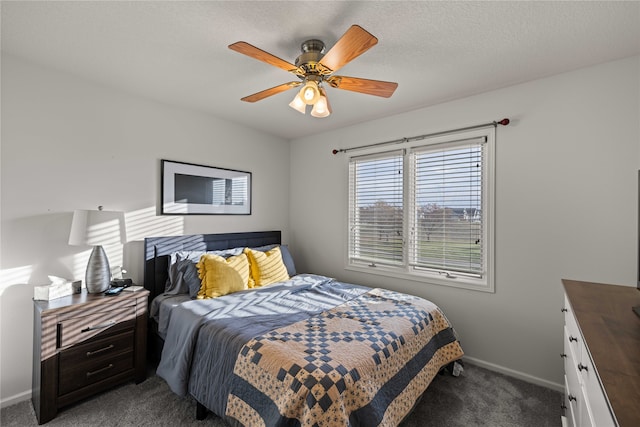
(424, 211)
(376, 213)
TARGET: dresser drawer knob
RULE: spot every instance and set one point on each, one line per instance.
(572, 338)
(107, 348)
(106, 368)
(563, 355)
(564, 310)
(101, 326)
(582, 367)
(572, 398)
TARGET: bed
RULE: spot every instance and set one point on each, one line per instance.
(305, 350)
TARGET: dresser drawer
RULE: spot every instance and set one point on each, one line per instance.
(571, 366)
(601, 415)
(82, 375)
(572, 332)
(96, 349)
(78, 329)
(570, 404)
(584, 410)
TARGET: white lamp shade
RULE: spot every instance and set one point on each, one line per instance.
(309, 93)
(322, 107)
(298, 104)
(93, 228)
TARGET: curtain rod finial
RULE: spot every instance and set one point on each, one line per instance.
(504, 122)
(334, 151)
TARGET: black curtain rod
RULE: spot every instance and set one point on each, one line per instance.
(502, 122)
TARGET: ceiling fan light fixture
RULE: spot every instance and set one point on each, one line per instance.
(298, 104)
(314, 68)
(322, 107)
(310, 93)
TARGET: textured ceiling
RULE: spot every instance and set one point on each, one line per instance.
(176, 52)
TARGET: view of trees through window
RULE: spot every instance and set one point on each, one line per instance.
(380, 236)
(443, 235)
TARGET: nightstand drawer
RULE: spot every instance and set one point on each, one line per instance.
(95, 350)
(78, 329)
(82, 375)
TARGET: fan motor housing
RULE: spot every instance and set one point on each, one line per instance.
(312, 53)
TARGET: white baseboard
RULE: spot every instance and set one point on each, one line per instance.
(16, 398)
(516, 374)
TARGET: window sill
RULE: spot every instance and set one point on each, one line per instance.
(430, 278)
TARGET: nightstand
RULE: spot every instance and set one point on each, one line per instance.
(84, 344)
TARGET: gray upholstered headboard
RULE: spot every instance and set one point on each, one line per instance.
(158, 249)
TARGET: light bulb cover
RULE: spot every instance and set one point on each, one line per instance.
(322, 107)
(298, 104)
(310, 93)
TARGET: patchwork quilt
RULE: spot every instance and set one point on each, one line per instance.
(310, 351)
(365, 362)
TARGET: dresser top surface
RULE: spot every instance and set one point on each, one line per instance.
(86, 299)
(611, 332)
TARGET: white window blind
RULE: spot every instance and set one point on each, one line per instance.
(376, 209)
(425, 210)
(446, 207)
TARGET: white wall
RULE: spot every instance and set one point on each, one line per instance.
(69, 144)
(566, 206)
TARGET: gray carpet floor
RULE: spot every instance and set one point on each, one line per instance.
(478, 397)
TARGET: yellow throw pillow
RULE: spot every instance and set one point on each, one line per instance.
(266, 267)
(220, 276)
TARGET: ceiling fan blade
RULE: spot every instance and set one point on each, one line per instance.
(370, 87)
(272, 91)
(259, 54)
(352, 44)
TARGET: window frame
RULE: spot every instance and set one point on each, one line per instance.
(405, 271)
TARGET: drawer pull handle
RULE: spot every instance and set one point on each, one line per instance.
(572, 398)
(572, 338)
(582, 367)
(563, 355)
(100, 370)
(102, 326)
(91, 353)
(564, 310)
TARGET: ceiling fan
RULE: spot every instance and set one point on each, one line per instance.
(314, 68)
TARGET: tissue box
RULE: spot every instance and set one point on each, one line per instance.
(53, 291)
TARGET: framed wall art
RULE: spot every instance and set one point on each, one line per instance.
(190, 189)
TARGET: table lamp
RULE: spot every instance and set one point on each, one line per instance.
(97, 228)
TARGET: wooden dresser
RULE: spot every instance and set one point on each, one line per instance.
(84, 344)
(602, 355)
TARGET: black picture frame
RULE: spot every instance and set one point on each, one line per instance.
(192, 189)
